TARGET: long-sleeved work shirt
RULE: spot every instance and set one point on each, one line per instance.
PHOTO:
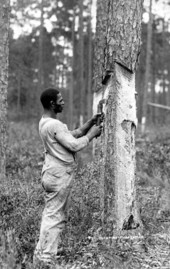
(59, 142)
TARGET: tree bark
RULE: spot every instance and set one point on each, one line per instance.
(81, 58)
(71, 89)
(163, 70)
(40, 62)
(153, 76)
(100, 44)
(116, 155)
(147, 70)
(4, 53)
(89, 77)
(19, 94)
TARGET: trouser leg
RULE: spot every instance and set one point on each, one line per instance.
(53, 218)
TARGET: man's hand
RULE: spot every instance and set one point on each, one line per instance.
(95, 131)
(97, 118)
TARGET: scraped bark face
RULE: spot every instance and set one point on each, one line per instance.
(125, 117)
(117, 149)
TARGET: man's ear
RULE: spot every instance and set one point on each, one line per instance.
(52, 103)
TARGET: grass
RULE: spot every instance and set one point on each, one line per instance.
(22, 202)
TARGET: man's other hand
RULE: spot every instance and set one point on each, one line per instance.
(95, 131)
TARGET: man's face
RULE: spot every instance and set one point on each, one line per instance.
(59, 104)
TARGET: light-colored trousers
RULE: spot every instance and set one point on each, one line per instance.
(57, 179)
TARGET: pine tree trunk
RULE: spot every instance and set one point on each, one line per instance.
(153, 77)
(71, 89)
(40, 62)
(19, 94)
(163, 71)
(81, 58)
(119, 50)
(147, 69)
(4, 31)
(89, 77)
(169, 86)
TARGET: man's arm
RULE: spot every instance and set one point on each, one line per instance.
(83, 130)
(66, 139)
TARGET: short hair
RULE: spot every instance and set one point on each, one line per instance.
(47, 96)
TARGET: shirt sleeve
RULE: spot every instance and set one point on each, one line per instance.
(66, 139)
(76, 133)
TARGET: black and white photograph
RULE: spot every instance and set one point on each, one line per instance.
(84, 134)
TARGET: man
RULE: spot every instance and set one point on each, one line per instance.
(60, 146)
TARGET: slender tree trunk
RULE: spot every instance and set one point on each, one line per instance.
(168, 75)
(61, 75)
(55, 53)
(120, 51)
(81, 58)
(55, 69)
(153, 77)
(40, 62)
(71, 89)
(163, 70)
(63, 67)
(4, 53)
(19, 95)
(147, 69)
(169, 86)
(89, 77)
(153, 94)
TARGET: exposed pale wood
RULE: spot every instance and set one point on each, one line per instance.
(118, 147)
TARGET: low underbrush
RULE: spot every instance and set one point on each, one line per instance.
(22, 202)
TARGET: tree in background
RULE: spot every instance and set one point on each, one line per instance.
(90, 54)
(4, 30)
(155, 34)
(59, 66)
(81, 61)
(23, 67)
(147, 66)
(40, 57)
(71, 90)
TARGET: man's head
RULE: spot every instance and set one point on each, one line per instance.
(51, 99)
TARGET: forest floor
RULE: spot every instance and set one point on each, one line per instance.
(21, 205)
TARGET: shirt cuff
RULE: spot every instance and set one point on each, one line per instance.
(87, 139)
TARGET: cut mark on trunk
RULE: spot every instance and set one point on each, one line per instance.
(130, 224)
(125, 125)
(129, 128)
(125, 70)
(107, 76)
